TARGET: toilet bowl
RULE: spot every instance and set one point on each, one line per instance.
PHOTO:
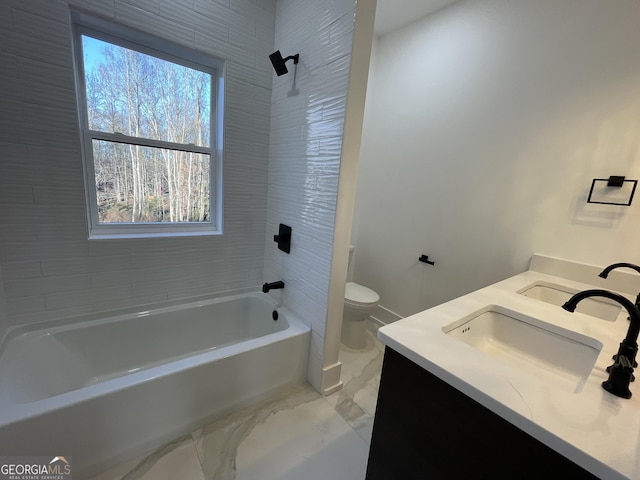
(359, 303)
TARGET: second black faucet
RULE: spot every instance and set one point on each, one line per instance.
(605, 273)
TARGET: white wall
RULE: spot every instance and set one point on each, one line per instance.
(484, 126)
(50, 268)
(308, 107)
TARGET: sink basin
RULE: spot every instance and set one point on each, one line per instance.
(560, 357)
(602, 308)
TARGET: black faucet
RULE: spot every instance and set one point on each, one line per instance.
(605, 273)
(621, 372)
(272, 286)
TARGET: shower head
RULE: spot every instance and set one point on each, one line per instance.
(279, 63)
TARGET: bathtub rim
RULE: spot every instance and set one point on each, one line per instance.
(103, 316)
(17, 412)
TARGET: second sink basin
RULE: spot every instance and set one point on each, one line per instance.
(558, 294)
(558, 356)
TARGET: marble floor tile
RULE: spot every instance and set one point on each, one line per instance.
(354, 361)
(176, 460)
(356, 402)
(217, 443)
(311, 442)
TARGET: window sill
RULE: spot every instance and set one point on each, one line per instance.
(127, 236)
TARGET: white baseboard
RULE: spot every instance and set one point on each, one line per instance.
(331, 379)
(383, 316)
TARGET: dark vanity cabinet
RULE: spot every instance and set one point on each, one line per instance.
(425, 429)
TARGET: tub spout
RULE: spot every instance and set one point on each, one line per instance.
(272, 286)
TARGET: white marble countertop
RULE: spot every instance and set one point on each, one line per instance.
(594, 429)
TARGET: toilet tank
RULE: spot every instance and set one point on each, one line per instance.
(350, 266)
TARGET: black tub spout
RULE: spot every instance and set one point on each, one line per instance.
(272, 286)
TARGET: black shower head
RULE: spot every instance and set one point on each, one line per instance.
(279, 63)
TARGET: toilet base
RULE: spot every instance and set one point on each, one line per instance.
(354, 333)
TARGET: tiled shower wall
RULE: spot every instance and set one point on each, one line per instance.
(307, 119)
(50, 269)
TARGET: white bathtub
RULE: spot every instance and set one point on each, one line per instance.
(105, 389)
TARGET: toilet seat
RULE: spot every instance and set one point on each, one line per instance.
(356, 295)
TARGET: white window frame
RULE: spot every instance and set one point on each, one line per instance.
(132, 39)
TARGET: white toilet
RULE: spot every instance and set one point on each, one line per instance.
(359, 303)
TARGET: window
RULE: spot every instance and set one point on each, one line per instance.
(151, 126)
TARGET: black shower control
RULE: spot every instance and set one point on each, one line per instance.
(283, 238)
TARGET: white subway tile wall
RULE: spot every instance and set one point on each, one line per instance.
(307, 117)
(50, 270)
